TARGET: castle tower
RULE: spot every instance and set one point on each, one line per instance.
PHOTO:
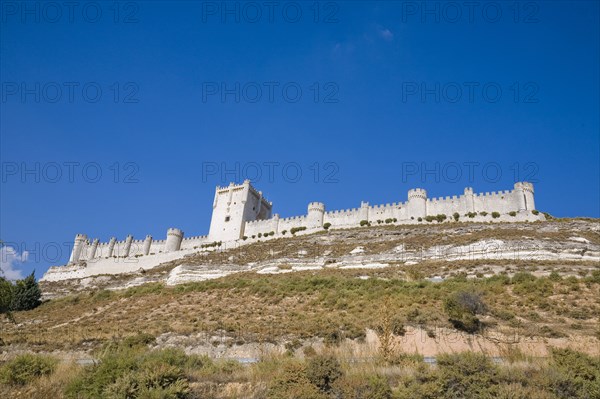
(174, 238)
(93, 249)
(417, 203)
(147, 244)
(233, 206)
(468, 200)
(111, 246)
(528, 192)
(519, 194)
(127, 248)
(78, 245)
(364, 210)
(316, 211)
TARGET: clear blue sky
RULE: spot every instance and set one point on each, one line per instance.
(386, 87)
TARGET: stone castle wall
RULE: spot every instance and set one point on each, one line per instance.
(241, 213)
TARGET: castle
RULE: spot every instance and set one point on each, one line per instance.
(241, 215)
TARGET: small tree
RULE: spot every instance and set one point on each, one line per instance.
(495, 215)
(456, 216)
(6, 297)
(326, 226)
(26, 294)
(323, 371)
(462, 309)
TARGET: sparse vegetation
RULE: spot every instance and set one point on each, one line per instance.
(25, 368)
(323, 316)
(462, 308)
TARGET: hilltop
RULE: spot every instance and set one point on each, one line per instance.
(359, 294)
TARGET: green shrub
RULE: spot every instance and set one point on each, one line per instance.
(522, 277)
(582, 373)
(363, 387)
(364, 222)
(323, 371)
(430, 218)
(292, 383)
(467, 375)
(389, 220)
(441, 217)
(483, 213)
(420, 219)
(26, 294)
(495, 215)
(512, 213)
(472, 214)
(462, 307)
(25, 368)
(535, 212)
(283, 232)
(127, 371)
(294, 230)
(456, 216)
(6, 296)
(554, 276)
(326, 226)
(259, 235)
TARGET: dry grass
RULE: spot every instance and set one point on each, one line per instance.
(330, 304)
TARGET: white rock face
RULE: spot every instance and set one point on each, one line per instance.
(579, 239)
(357, 250)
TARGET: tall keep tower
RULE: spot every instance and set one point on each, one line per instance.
(233, 207)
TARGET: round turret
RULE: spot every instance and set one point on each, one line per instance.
(147, 244)
(127, 247)
(316, 211)
(80, 240)
(529, 197)
(520, 196)
(417, 203)
(174, 238)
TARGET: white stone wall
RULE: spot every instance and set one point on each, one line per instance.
(240, 210)
(343, 218)
(194, 242)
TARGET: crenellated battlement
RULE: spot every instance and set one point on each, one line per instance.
(239, 210)
(174, 232)
(417, 193)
